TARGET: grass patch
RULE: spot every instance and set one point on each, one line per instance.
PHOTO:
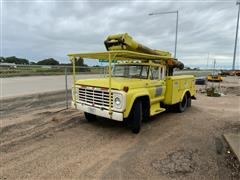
(38, 71)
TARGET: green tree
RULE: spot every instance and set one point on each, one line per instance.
(33, 63)
(80, 62)
(16, 60)
(49, 61)
(2, 59)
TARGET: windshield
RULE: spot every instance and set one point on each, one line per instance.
(131, 71)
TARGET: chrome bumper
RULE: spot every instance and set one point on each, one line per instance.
(118, 116)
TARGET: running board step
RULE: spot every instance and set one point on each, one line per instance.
(156, 109)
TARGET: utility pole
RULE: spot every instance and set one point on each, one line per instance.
(236, 37)
(214, 64)
(207, 60)
(176, 37)
(176, 33)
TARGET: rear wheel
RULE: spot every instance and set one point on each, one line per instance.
(90, 117)
(137, 116)
(189, 101)
(181, 106)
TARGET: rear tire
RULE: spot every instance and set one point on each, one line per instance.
(90, 117)
(189, 102)
(181, 106)
(137, 117)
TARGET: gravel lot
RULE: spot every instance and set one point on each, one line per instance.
(44, 141)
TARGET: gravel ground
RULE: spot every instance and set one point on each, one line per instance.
(47, 142)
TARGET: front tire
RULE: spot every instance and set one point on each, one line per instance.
(90, 117)
(137, 116)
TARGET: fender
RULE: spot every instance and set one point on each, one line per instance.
(184, 92)
(131, 96)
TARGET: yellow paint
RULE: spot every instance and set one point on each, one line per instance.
(147, 87)
(177, 86)
(156, 109)
(217, 78)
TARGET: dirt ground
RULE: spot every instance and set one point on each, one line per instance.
(41, 140)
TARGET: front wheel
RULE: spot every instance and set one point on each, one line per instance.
(90, 117)
(136, 120)
(181, 106)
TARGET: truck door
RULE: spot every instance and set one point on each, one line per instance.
(157, 85)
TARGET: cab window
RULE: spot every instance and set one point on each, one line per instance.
(144, 73)
(155, 73)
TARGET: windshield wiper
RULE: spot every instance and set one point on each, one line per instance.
(118, 76)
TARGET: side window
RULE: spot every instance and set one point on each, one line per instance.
(155, 73)
(144, 73)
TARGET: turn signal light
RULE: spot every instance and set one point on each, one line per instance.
(125, 88)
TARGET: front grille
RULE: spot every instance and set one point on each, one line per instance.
(93, 96)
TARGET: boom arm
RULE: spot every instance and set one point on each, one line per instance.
(125, 42)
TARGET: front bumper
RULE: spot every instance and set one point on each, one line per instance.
(118, 116)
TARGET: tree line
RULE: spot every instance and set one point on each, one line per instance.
(49, 61)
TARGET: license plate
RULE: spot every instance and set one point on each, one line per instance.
(91, 110)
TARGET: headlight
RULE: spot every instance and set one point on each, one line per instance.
(118, 101)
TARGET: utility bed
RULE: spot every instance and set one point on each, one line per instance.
(176, 87)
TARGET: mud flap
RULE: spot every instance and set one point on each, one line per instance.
(193, 97)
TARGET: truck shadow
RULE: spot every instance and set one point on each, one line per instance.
(164, 119)
(108, 125)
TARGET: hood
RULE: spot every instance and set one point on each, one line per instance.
(117, 83)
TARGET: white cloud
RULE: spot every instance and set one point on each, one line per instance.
(42, 29)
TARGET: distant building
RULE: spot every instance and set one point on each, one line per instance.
(8, 65)
(46, 67)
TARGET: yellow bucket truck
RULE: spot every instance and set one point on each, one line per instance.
(140, 85)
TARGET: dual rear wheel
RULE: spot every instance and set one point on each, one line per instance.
(186, 102)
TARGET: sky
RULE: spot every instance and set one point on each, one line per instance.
(40, 29)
